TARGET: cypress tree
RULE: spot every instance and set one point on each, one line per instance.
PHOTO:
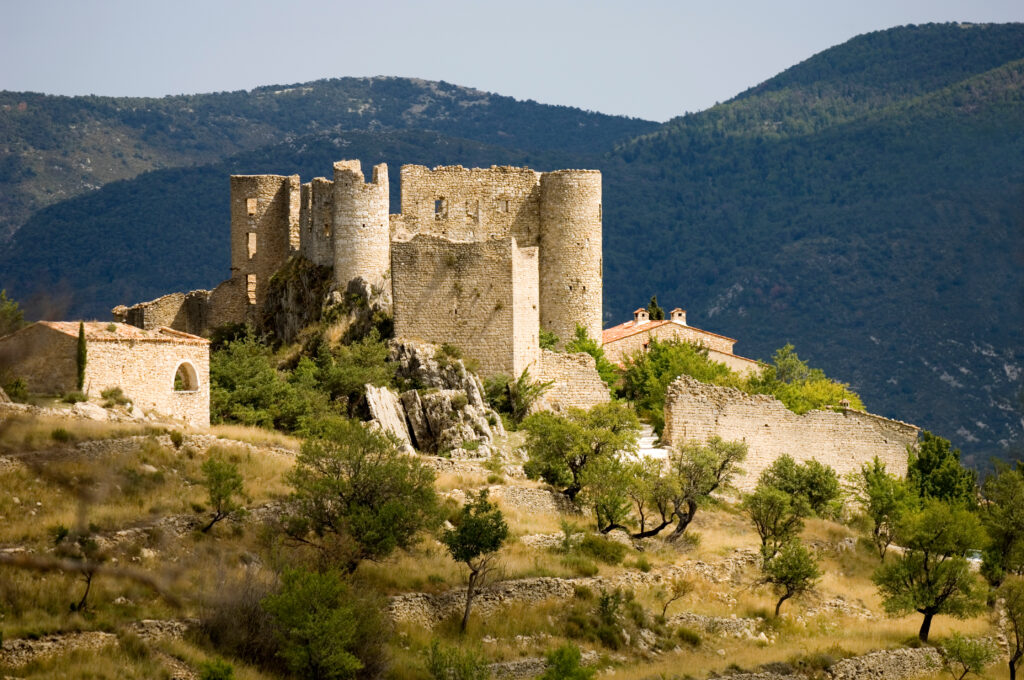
(81, 356)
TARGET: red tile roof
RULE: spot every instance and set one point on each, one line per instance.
(629, 328)
(112, 331)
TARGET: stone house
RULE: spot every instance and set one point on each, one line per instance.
(160, 370)
(634, 336)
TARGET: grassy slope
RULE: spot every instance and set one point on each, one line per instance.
(197, 564)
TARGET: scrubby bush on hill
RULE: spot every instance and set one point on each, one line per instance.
(815, 483)
(582, 342)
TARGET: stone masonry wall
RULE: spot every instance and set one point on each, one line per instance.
(459, 293)
(525, 303)
(44, 359)
(577, 383)
(570, 253)
(719, 347)
(317, 222)
(843, 440)
(470, 204)
(362, 236)
(265, 212)
(145, 371)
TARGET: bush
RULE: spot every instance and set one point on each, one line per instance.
(514, 398)
(114, 396)
(17, 390)
(74, 397)
(323, 629)
(565, 663)
(237, 625)
(643, 564)
(452, 663)
(177, 438)
(688, 636)
(813, 482)
(59, 434)
(581, 566)
(609, 552)
(216, 670)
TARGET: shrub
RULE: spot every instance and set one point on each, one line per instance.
(688, 636)
(216, 669)
(580, 565)
(813, 482)
(237, 625)
(609, 552)
(17, 390)
(643, 564)
(459, 402)
(74, 397)
(177, 438)
(59, 434)
(452, 663)
(565, 663)
(114, 396)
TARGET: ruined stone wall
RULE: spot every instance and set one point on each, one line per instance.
(462, 294)
(843, 440)
(46, 360)
(471, 204)
(145, 370)
(577, 383)
(525, 303)
(362, 235)
(265, 211)
(570, 252)
(316, 242)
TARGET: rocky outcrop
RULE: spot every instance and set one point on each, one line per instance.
(386, 410)
(444, 409)
(294, 298)
(4, 399)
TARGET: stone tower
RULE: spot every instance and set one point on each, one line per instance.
(264, 229)
(570, 252)
(362, 233)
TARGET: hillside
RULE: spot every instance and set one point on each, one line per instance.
(864, 205)
(53, 148)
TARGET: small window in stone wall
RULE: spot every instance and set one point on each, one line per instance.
(185, 378)
(503, 205)
(599, 214)
(250, 205)
(252, 244)
(440, 208)
(250, 288)
(327, 229)
(473, 211)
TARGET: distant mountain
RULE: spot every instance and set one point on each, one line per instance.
(54, 148)
(866, 205)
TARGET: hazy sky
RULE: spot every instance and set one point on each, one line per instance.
(653, 59)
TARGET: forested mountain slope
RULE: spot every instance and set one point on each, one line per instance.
(53, 148)
(866, 205)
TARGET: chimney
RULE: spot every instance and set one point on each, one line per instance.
(641, 316)
(678, 316)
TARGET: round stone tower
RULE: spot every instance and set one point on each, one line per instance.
(570, 252)
(362, 238)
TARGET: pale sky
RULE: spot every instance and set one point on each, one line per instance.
(654, 59)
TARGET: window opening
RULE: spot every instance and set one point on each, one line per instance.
(250, 288)
(440, 209)
(252, 243)
(185, 378)
(250, 205)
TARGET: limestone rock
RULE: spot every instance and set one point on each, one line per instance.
(417, 418)
(4, 399)
(386, 409)
(91, 411)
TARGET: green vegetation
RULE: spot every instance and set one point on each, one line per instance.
(934, 471)
(356, 496)
(560, 449)
(451, 663)
(1012, 595)
(114, 396)
(777, 516)
(565, 663)
(80, 356)
(224, 485)
(788, 379)
(963, 656)
(480, 531)
(792, 572)
(11, 316)
(885, 499)
(932, 575)
(654, 311)
(582, 342)
(514, 398)
(815, 484)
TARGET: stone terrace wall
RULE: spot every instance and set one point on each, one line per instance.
(145, 371)
(577, 383)
(462, 294)
(843, 440)
(470, 204)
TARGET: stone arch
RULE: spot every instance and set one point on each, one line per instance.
(186, 379)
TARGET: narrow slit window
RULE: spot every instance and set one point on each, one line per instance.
(440, 208)
(252, 243)
(250, 206)
(250, 288)
(503, 205)
(327, 229)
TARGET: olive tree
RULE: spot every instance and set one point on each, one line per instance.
(885, 500)
(793, 571)
(932, 575)
(777, 516)
(698, 470)
(1011, 593)
(479, 532)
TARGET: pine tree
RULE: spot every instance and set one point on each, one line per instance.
(81, 356)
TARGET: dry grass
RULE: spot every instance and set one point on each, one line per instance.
(33, 433)
(106, 663)
(256, 436)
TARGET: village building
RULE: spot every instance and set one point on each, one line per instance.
(625, 340)
(160, 370)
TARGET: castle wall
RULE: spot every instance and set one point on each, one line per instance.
(577, 383)
(843, 440)
(525, 304)
(362, 234)
(45, 359)
(570, 255)
(317, 222)
(145, 373)
(265, 212)
(462, 294)
(470, 204)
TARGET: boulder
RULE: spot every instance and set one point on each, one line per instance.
(91, 411)
(386, 409)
